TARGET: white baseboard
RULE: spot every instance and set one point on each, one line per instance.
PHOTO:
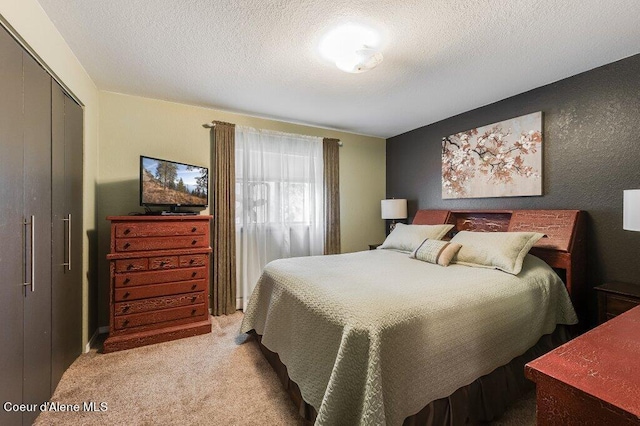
(91, 341)
(99, 330)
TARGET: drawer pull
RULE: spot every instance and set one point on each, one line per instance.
(193, 287)
(193, 242)
(194, 229)
(163, 263)
(126, 309)
(125, 322)
(129, 267)
(191, 261)
(127, 245)
(193, 312)
(126, 281)
(126, 231)
(193, 299)
(127, 294)
(193, 274)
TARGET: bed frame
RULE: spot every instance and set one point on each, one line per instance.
(563, 248)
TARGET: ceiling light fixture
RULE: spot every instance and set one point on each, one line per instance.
(352, 48)
(361, 60)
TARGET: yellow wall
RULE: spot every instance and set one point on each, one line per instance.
(128, 126)
(34, 26)
(131, 126)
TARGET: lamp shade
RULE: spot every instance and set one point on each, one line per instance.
(631, 210)
(394, 209)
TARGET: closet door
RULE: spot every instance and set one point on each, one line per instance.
(74, 161)
(37, 207)
(67, 232)
(12, 227)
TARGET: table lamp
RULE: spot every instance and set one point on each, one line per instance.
(631, 210)
(394, 209)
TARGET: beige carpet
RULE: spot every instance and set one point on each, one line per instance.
(205, 380)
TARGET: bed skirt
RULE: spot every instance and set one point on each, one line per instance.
(483, 400)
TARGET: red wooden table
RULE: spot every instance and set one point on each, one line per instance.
(593, 379)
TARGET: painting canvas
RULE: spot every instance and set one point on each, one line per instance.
(498, 160)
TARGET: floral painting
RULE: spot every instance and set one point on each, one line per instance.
(498, 160)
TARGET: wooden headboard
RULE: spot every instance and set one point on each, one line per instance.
(563, 247)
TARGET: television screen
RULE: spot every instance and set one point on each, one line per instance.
(167, 183)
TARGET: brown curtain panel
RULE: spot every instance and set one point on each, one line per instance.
(223, 209)
(331, 160)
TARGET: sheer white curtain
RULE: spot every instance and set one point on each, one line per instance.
(279, 201)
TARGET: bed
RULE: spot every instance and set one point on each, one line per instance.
(377, 338)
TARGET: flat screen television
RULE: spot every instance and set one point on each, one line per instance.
(170, 184)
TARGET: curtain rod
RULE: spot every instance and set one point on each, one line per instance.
(212, 124)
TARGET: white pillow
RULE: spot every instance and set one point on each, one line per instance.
(436, 251)
(409, 237)
(497, 250)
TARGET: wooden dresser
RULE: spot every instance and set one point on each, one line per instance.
(593, 379)
(159, 287)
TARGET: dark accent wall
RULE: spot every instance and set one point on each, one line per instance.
(591, 152)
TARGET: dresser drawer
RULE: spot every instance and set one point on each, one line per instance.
(156, 303)
(152, 229)
(156, 277)
(618, 305)
(136, 320)
(160, 243)
(155, 290)
(164, 262)
(193, 260)
(131, 265)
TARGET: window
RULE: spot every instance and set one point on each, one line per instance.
(272, 202)
(279, 200)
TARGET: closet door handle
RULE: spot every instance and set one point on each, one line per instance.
(33, 254)
(68, 263)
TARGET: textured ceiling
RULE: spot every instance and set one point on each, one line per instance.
(259, 57)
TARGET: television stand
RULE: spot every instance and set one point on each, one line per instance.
(172, 213)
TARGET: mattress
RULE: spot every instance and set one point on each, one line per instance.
(373, 337)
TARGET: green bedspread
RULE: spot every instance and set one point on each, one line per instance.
(372, 337)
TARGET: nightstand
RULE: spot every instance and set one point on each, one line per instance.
(374, 246)
(616, 298)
